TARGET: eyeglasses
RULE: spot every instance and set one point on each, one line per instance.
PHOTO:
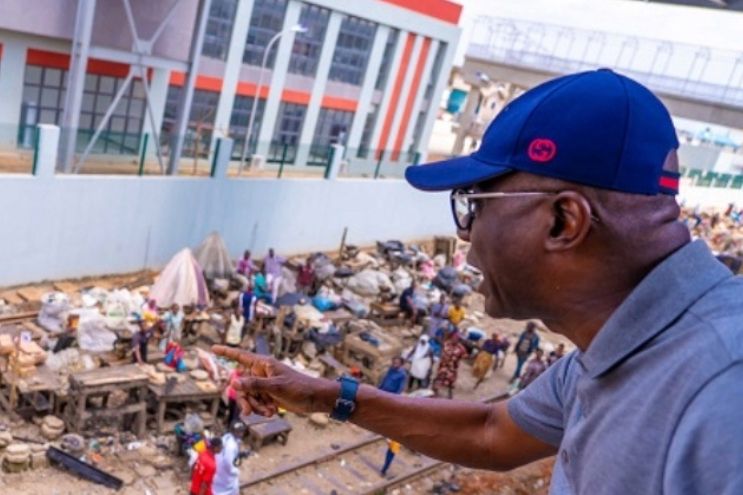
(466, 205)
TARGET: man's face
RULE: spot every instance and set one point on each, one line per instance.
(396, 363)
(505, 246)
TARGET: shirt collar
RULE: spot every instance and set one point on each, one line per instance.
(666, 292)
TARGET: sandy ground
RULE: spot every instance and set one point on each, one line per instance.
(150, 470)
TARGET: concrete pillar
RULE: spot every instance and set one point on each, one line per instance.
(438, 90)
(45, 161)
(12, 67)
(232, 66)
(367, 88)
(416, 108)
(76, 80)
(278, 76)
(159, 83)
(318, 88)
(221, 158)
(387, 91)
(405, 91)
(187, 92)
(335, 163)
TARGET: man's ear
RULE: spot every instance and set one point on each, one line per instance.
(571, 221)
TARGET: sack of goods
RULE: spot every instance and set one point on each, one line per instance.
(52, 427)
(17, 458)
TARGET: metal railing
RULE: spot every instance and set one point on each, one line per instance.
(696, 72)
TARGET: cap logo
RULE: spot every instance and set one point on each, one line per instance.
(542, 150)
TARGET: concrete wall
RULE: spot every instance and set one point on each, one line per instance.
(70, 226)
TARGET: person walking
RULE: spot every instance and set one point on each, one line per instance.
(452, 353)
(535, 367)
(202, 474)
(227, 474)
(421, 361)
(528, 342)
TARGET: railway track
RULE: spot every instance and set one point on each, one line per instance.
(351, 470)
(18, 317)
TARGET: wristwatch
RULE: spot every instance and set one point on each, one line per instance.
(346, 401)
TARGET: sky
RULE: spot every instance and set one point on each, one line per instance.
(697, 26)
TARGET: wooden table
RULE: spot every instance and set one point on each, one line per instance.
(101, 382)
(185, 392)
(44, 382)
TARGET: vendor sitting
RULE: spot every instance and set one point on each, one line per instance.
(261, 289)
(69, 337)
(407, 304)
(140, 340)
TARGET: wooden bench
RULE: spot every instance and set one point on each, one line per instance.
(259, 434)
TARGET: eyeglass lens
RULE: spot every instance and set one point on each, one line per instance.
(462, 211)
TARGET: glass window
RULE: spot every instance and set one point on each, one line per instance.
(332, 128)
(288, 128)
(418, 130)
(266, 20)
(389, 50)
(239, 122)
(366, 134)
(219, 28)
(355, 41)
(50, 98)
(43, 101)
(201, 120)
(33, 74)
(307, 46)
(52, 77)
(435, 70)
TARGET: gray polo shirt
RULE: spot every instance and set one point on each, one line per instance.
(655, 404)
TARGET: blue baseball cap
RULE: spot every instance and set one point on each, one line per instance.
(596, 128)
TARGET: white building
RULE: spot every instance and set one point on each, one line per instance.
(367, 74)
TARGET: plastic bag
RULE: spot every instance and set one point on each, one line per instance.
(53, 313)
(369, 282)
(92, 334)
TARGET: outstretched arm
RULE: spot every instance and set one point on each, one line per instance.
(467, 433)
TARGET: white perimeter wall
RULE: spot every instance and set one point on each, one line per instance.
(73, 226)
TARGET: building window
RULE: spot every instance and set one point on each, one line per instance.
(352, 50)
(287, 132)
(266, 20)
(239, 123)
(200, 122)
(366, 134)
(43, 103)
(435, 69)
(332, 128)
(307, 46)
(417, 131)
(389, 50)
(219, 28)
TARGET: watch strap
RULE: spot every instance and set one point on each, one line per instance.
(345, 404)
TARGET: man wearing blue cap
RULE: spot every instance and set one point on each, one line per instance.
(570, 211)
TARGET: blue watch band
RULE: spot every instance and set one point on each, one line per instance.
(346, 401)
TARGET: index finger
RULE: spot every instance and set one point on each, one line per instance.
(247, 359)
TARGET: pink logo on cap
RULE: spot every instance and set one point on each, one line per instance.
(542, 150)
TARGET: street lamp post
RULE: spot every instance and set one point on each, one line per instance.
(297, 28)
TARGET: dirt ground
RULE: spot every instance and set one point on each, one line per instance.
(150, 469)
